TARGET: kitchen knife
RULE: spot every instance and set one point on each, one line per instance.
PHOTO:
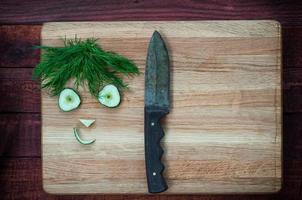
(157, 105)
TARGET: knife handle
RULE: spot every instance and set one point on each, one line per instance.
(153, 151)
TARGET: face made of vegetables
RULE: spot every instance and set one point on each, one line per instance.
(70, 100)
(89, 65)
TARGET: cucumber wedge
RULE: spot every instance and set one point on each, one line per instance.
(69, 100)
(109, 96)
(87, 122)
(85, 142)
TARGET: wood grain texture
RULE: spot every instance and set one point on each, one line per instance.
(22, 56)
(16, 46)
(292, 75)
(27, 173)
(222, 136)
(292, 45)
(293, 141)
(24, 142)
(21, 135)
(287, 12)
(26, 95)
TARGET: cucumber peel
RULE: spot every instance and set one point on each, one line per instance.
(69, 100)
(109, 96)
(84, 142)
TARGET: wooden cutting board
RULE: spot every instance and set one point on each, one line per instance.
(223, 134)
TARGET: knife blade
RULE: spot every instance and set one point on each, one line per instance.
(157, 105)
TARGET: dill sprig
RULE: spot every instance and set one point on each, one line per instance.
(86, 62)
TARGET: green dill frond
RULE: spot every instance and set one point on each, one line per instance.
(86, 62)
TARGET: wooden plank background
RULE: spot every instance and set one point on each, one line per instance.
(20, 120)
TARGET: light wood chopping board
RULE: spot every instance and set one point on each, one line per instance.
(223, 134)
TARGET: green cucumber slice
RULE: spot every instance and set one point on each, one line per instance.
(109, 96)
(85, 142)
(69, 100)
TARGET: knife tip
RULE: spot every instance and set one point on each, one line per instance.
(155, 34)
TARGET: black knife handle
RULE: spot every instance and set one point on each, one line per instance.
(153, 151)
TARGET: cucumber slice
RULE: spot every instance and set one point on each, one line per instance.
(109, 96)
(85, 142)
(69, 100)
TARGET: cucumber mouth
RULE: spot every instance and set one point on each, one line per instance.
(87, 123)
(80, 140)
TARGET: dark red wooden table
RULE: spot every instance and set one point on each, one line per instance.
(20, 113)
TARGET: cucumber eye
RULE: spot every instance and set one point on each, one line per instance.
(69, 100)
(109, 96)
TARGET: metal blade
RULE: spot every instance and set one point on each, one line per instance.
(157, 75)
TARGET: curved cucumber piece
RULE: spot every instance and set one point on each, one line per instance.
(85, 142)
(69, 100)
(109, 96)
